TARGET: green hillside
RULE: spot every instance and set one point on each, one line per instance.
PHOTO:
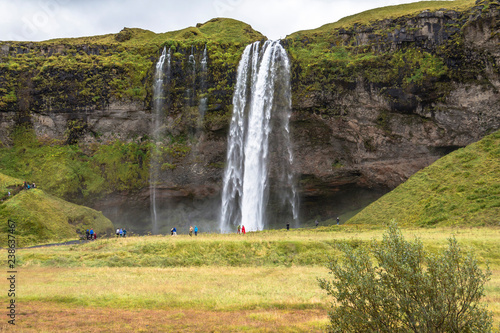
(43, 218)
(462, 188)
(221, 30)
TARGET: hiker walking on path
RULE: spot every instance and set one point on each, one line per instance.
(288, 226)
(338, 220)
(124, 233)
(243, 229)
(316, 223)
(87, 234)
(239, 229)
(195, 230)
(191, 229)
(91, 234)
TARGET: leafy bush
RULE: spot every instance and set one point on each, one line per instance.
(405, 289)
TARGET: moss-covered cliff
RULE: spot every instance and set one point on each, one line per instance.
(76, 78)
(380, 95)
(376, 97)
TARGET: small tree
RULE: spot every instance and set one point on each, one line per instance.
(395, 286)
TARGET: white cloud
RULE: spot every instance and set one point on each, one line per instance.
(45, 19)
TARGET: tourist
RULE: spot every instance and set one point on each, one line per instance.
(175, 231)
(191, 230)
(172, 232)
(239, 228)
(34, 186)
(117, 232)
(8, 193)
(195, 230)
(95, 235)
(91, 234)
(87, 234)
(243, 229)
(287, 226)
(121, 232)
(316, 223)
(338, 220)
(124, 233)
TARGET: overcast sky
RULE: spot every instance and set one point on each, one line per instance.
(36, 20)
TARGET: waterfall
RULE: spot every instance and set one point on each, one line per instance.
(161, 78)
(191, 78)
(202, 107)
(260, 121)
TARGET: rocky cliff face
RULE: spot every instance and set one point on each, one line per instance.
(374, 126)
(372, 103)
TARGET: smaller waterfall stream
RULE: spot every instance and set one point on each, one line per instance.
(202, 107)
(160, 80)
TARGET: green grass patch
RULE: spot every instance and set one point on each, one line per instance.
(42, 218)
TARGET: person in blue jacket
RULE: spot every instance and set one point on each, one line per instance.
(91, 234)
(175, 231)
(195, 230)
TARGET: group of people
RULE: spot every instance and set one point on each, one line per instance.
(191, 229)
(121, 232)
(173, 231)
(27, 186)
(90, 234)
(241, 229)
(316, 223)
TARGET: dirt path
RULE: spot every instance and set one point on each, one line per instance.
(81, 241)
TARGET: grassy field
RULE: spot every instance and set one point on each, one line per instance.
(79, 287)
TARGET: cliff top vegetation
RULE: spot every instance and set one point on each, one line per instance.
(221, 30)
(383, 13)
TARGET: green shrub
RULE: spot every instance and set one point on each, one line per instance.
(395, 286)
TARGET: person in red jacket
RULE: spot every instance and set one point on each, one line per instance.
(243, 229)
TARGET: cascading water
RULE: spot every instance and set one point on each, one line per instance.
(191, 76)
(261, 112)
(161, 78)
(203, 85)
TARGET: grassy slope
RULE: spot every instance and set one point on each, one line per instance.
(462, 188)
(42, 218)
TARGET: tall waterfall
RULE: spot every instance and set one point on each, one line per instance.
(162, 76)
(259, 134)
